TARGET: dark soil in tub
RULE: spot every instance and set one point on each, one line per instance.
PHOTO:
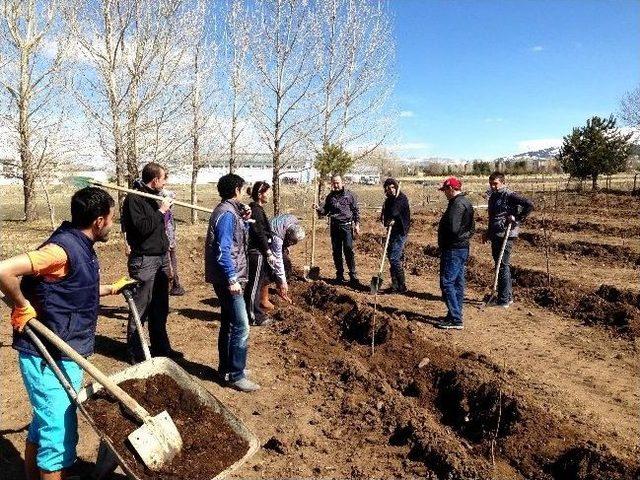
(210, 444)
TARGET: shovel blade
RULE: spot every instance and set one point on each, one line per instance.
(376, 283)
(311, 273)
(157, 441)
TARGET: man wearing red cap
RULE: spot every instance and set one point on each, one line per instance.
(455, 229)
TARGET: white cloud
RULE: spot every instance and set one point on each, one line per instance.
(410, 146)
(407, 114)
(537, 48)
(538, 144)
(493, 120)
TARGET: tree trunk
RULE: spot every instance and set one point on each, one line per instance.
(276, 182)
(194, 192)
(594, 183)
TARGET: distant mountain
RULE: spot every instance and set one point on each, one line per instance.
(543, 154)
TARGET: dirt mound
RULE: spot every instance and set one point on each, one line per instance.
(452, 415)
(590, 462)
(608, 306)
(615, 253)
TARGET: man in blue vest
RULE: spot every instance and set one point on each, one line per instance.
(61, 287)
(225, 267)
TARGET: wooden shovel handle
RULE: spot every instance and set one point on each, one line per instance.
(130, 404)
(148, 195)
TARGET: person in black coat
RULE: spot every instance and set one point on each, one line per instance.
(259, 256)
(455, 229)
(396, 209)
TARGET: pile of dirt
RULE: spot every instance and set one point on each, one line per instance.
(453, 415)
(608, 306)
(209, 443)
(583, 226)
(614, 253)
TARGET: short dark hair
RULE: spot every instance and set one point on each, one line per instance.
(88, 204)
(498, 175)
(152, 170)
(227, 185)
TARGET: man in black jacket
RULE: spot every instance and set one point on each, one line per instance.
(396, 209)
(341, 206)
(456, 227)
(143, 224)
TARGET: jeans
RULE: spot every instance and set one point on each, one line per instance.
(395, 253)
(452, 267)
(505, 288)
(342, 241)
(258, 274)
(152, 301)
(234, 334)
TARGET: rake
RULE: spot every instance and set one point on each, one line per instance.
(81, 182)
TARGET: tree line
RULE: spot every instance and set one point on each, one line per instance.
(183, 82)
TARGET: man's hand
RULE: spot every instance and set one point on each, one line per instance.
(21, 315)
(235, 288)
(166, 204)
(271, 260)
(283, 292)
(121, 283)
(511, 220)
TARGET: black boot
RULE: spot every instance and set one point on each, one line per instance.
(401, 286)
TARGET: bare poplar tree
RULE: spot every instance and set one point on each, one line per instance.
(203, 54)
(369, 76)
(131, 86)
(630, 108)
(32, 48)
(283, 43)
(234, 77)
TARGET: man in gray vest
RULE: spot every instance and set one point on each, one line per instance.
(225, 267)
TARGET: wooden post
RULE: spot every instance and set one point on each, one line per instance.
(635, 178)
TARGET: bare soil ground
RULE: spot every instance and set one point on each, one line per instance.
(547, 389)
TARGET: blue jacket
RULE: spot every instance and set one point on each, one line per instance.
(69, 306)
(225, 251)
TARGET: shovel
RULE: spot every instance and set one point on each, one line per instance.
(494, 292)
(376, 281)
(127, 292)
(311, 272)
(157, 441)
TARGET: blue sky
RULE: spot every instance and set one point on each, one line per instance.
(484, 78)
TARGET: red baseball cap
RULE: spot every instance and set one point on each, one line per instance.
(452, 182)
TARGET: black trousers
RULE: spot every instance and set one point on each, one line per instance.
(152, 301)
(342, 242)
(258, 276)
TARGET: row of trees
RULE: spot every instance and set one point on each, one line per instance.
(184, 81)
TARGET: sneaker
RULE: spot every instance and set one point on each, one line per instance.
(265, 322)
(501, 305)
(340, 280)
(446, 325)
(177, 291)
(244, 385)
(354, 282)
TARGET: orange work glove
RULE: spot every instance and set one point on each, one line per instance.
(21, 315)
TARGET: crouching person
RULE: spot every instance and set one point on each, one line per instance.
(226, 269)
(287, 232)
(60, 287)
